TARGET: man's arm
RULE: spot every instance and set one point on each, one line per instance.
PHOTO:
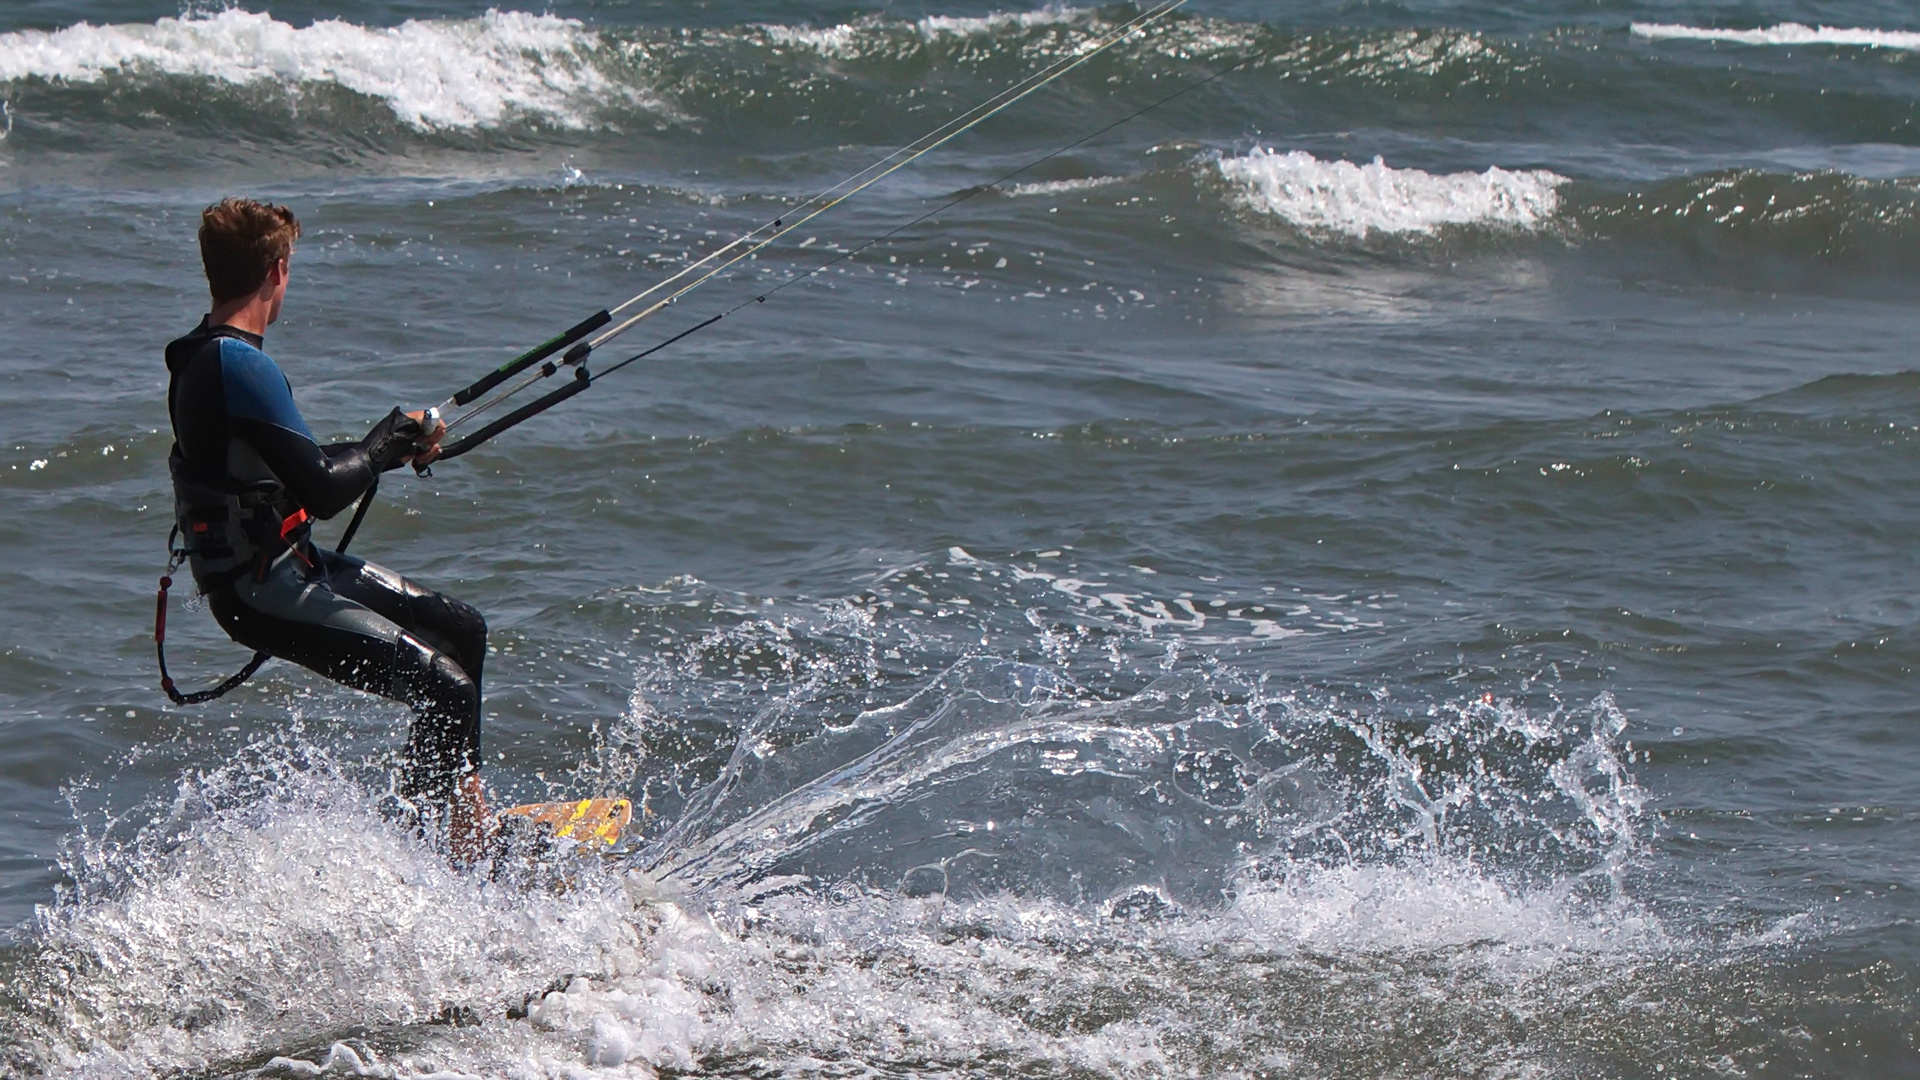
(324, 481)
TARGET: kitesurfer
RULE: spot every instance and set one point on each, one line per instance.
(249, 479)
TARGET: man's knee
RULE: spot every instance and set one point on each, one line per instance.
(455, 624)
(431, 681)
(468, 627)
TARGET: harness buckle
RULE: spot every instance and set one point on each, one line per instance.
(290, 525)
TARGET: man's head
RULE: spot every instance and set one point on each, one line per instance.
(244, 245)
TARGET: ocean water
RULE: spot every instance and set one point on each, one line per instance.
(1397, 561)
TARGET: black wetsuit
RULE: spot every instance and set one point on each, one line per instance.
(244, 462)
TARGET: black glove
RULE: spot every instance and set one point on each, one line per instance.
(392, 441)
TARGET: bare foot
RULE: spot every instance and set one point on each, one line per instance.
(470, 824)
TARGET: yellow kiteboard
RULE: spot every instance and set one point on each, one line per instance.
(584, 821)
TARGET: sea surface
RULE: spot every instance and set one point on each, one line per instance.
(1396, 560)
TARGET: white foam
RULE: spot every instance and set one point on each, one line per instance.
(852, 39)
(293, 913)
(831, 41)
(251, 926)
(1784, 34)
(790, 976)
(962, 26)
(431, 73)
(1058, 187)
(1430, 904)
(884, 978)
(1341, 197)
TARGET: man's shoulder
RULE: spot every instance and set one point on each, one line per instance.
(241, 357)
(256, 388)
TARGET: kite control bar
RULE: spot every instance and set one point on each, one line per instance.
(533, 356)
(582, 378)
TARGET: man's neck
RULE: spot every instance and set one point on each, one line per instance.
(249, 314)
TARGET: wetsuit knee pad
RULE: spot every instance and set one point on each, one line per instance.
(451, 624)
(428, 679)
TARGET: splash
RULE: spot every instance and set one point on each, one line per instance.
(939, 837)
(431, 74)
(306, 932)
(964, 26)
(274, 901)
(1356, 200)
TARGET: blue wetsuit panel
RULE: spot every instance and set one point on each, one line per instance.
(257, 389)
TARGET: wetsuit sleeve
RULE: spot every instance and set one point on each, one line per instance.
(260, 407)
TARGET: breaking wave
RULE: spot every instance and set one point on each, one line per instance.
(1061, 187)
(1740, 227)
(867, 75)
(507, 68)
(432, 74)
(1356, 200)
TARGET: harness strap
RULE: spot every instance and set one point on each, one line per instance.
(178, 555)
(175, 557)
(195, 697)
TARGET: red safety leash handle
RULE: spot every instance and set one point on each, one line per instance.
(160, 610)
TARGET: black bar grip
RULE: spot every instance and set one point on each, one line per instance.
(532, 356)
(581, 380)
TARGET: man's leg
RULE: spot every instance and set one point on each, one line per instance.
(349, 641)
(457, 629)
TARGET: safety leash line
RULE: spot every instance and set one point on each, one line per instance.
(583, 378)
(1113, 39)
(960, 198)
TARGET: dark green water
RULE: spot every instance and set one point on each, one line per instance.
(1396, 563)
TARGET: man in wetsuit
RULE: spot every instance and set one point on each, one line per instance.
(249, 478)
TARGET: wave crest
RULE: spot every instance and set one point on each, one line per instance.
(1783, 34)
(431, 73)
(1341, 197)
